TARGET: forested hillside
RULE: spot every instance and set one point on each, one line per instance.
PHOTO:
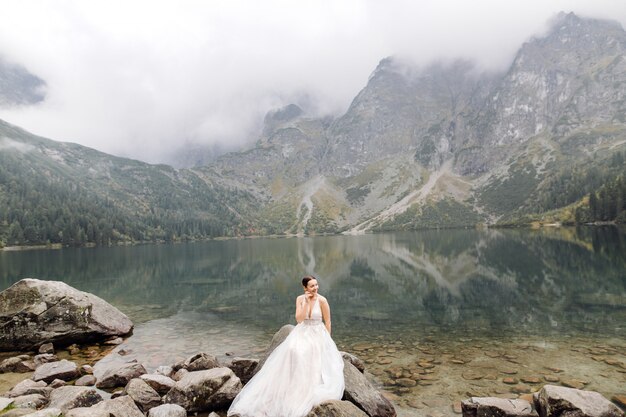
(54, 192)
(444, 145)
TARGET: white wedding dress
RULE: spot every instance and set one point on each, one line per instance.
(303, 371)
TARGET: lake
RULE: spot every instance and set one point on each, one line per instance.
(458, 312)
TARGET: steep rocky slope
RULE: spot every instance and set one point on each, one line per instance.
(436, 146)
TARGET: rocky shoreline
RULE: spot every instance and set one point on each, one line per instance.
(62, 381)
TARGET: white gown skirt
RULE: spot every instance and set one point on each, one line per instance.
(303, 371)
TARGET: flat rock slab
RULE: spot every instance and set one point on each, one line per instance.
(120, 376)
(70, 397)
(496, 407)
(34, 312)
(28, 386)
(555, 401)
(33, 401)
(63, 369)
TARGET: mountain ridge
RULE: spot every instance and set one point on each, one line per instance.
(436, 146)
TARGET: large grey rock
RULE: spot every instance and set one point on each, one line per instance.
(496, 407)
(28, 386)
(86, 412)
(120, 376)
(336, 409)
(44, 358)
(62, 369)
(33, 401)
(19, 364)
(198, 362)
(354, 360)
(69, 397)
(363, 394)
(143, 394)
(205, 390)
(85, 381)
(277, 339)
(119, 407)
(34, 312)
(160, 383)
(168, 410)
(555, 401)
(243, 368)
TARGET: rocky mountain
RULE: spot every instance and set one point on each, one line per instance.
(443, 145)
(447, 144)
(18, 86)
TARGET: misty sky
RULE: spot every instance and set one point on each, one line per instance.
(139, 78)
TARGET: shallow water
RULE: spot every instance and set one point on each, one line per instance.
(471, 306)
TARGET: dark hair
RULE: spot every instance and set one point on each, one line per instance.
(305, 280)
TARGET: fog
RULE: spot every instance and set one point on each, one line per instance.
(142, 78)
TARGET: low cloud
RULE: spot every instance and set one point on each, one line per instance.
(7, 144)
(141, 78)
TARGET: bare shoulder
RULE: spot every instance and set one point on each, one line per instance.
(300, 297)
(322, 298)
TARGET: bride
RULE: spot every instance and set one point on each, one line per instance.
(303, 371)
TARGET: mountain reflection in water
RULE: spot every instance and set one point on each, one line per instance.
(449, 281)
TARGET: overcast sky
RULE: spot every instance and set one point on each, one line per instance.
(138, 78)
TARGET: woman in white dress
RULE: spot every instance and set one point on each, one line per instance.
(306, 369)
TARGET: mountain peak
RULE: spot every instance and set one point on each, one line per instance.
(18, 86)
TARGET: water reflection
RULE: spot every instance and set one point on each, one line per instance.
(447, 282)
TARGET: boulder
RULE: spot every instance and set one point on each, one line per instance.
(336, 409)
(19, 364)
(44, 358)
(354, 360)
(198, 362)
(34, 312)
(33, 401)
(62, 369)
(168, 410)
(205, 390)
(496, 407)
(160, 383)
(57, 383)
(85, 381)
(119, 407)
(120, 376)
(278, 338)
(555, 401)
(69, 397)
(243, 368)
(143, 394)
(363, 394)
(86, 412)
(28, 386)
(46, 348)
